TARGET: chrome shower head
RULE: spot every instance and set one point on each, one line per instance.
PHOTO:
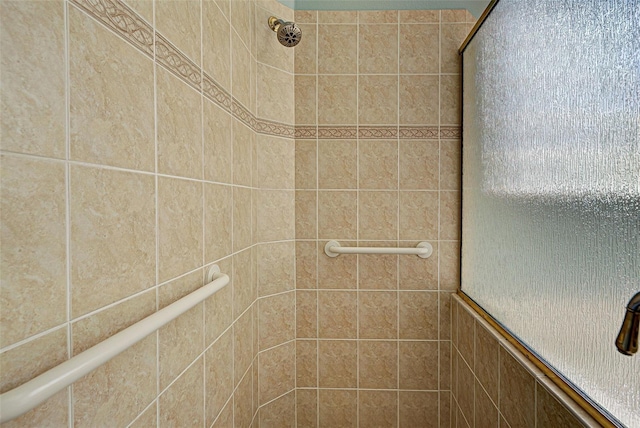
(627, 340)
(289, 33)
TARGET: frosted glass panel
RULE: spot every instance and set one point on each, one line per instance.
(551, 184)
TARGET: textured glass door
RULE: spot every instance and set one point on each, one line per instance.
(551, 184)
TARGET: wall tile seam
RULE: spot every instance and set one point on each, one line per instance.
(172, 59)
(276, 399)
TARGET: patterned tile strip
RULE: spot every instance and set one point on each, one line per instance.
(215, 93)
(375, 132)
(419, 132)
(173, 60)
(274, 128)
(338, 132)
(124, 21)
(306, 132)
(450, 132)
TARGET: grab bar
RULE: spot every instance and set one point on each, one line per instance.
(28, 395)
(334, 249)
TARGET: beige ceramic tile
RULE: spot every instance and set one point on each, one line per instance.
(337, 17)
(450, 100)
(242, 346)
(54, 412)
(378, 215)
(143, 7)
(180, 226)
(241, 19)
(241, 64)
(337, 215)
(517, 392)
(242, 151)
(306, 159)
(378, 16)
(337, 363)
(449, 255)
(307, 408)
(306, 313)
(337, 49)
(336, 310)
(148, 419)
(306, 214)
(551, 412)
(416, 273)
(216, 57)
(277, 90)
(450, 165)
(378, 272)
(337, 100)
(378, 364)
(417, 16)
(276, 372)
(225, 419)
(420, 48)
(244, 288)
(217, 143)
(179, 127)
(306, 266)
(217, 221)
(337, 272)
(277, 319)
(276, 272)
(419, 102)
(111, 100)
(487, 413)
(378, 44)
(276, 162)
(419, 215)
(445, 315)
(337, 164)
(92, 330)
(33, 255)
(180, 341)
(276, 215)
(279, 413)
(418, 365)
(112, 224)
(179, 22)
(450, 215)
(337, 408)
(241, 218)
(377, 314)
(116, 392)
(451, 38)
(417, 408)
(306, 16)
(445, 365)
(418, 315)
(218, 375)
(21, 364)
(305, 100)
(218, 309)
(378, 164)
(306, 363)
(242, 402)
(378, 100)
(183, 403)
(306, 52)
(454, 15)
(419, 165)
(445, 408)
(32, 69)
(378, 408)
(466, 334)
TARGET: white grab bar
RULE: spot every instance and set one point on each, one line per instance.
(334, 249)
(28, 395)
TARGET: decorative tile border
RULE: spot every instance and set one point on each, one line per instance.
(121, 19)
(377, 132)
(419, 132)
(175, 61)
(306, 132)
(337, 132)
(454, 132)
(130, 26)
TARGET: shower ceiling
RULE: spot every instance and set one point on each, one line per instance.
(476, 7)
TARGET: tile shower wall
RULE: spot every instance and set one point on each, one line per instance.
(377, 164)
(143, 141)
(493, 384)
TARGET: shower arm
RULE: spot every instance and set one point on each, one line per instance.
(627, 340)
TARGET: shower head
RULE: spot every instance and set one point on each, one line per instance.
(627, 341)
(289, 33)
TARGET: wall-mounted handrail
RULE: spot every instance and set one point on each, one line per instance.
(27, 396)
(334, 249)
